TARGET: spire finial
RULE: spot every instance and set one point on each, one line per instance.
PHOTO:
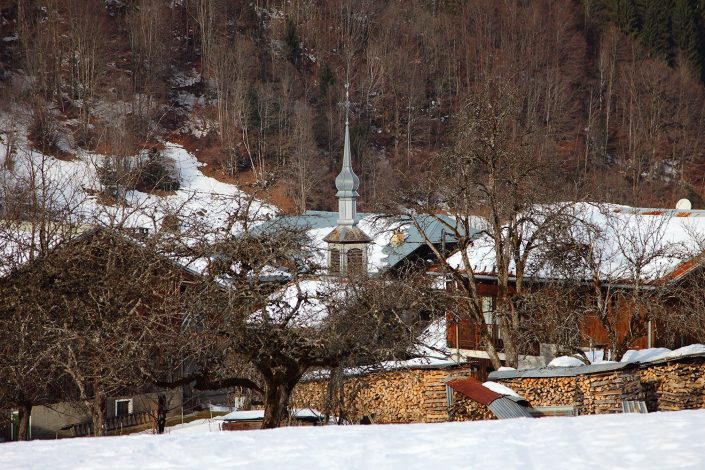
(347, 102)
(347, 181)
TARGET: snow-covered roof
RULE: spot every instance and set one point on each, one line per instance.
(394, 238)
(248, 415)
(568, 366)
(300, 303)
(625, 242)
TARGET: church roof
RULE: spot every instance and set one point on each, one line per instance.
(347, 234)
(394, 238)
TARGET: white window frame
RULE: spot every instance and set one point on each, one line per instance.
(129, 401)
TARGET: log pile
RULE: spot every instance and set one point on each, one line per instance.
(674, 386)
(419, 395)
(399, 396)
(466, 409)
(604, 393)
(589, 393)
(546, 391)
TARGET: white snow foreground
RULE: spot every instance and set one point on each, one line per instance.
(627, 441)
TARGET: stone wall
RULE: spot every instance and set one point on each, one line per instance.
(399, 396)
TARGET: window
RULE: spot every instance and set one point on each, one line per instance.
(334, 267)
(487, 311)
(355, 262)
(123, 407)
(490, 317)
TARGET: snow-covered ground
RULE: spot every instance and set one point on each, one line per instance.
(674, 440)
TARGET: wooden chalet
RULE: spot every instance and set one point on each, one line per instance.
(666, 275)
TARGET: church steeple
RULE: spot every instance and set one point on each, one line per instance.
(347, 181)
(347, 243)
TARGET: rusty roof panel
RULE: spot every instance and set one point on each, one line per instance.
(473, 389)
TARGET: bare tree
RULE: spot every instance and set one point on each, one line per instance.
(495, 170)
(267, 322)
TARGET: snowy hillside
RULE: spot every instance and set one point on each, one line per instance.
(655, 441)
(72, 186)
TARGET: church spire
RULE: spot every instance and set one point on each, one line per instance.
(347, 243)
(347, 181)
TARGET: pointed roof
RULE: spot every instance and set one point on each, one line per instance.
(347, 181)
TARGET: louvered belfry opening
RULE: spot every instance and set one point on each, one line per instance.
(355, 263)
(334, 266)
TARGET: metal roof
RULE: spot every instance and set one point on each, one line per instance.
(473, 388)
(379, 227)
(503, 407)
(546, 372)
(506, 408)
(698, 356)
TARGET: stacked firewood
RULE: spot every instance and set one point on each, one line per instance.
(545, 391)
(399, 396)
(604, 393)
(674, 386)
(465, 409)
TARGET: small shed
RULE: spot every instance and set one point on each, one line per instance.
(252, 419)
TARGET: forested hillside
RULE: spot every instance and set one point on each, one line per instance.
(610, 89)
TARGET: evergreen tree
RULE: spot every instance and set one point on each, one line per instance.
(686, 35)
(626, 15)
(325, 78)
(656, 29)
(292, 43)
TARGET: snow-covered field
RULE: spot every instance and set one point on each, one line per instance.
(631, 441)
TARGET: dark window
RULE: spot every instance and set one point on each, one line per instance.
(122, 407)
(334, 261)
(355, 262)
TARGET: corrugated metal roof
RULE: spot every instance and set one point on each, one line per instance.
(506, 408)
(473, 388)
(561, 371)
(503, 406)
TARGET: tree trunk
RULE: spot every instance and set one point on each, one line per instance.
(162, 410)
(24, 412)
(492, 352)
(98, 414)
(276, 403)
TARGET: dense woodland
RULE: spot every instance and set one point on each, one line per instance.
(612, 90)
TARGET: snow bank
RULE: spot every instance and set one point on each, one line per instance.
(626, 441)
